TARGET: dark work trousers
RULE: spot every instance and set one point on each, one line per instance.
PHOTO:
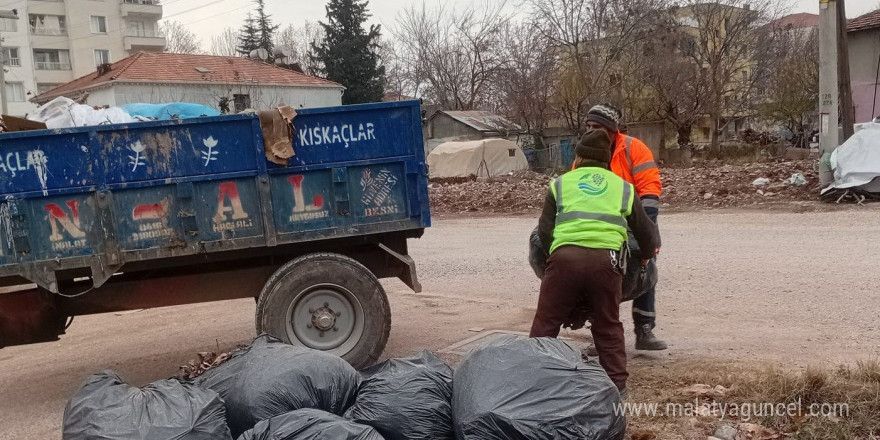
(644, 310)
(576, 275)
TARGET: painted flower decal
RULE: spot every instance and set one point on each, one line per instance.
(209, 154)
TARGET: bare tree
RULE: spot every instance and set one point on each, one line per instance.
(453, 52)
(792, 89)
(731, 40)
(179, 39)
(297, 41)
(527, 81)
(591, 39)
(225, 44)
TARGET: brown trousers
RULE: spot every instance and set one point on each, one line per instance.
(576, 275)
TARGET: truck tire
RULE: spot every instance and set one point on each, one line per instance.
(327, 302)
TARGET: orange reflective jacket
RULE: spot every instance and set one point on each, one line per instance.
(634, 162)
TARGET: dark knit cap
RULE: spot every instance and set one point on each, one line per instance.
(606, 115)
(595, 145)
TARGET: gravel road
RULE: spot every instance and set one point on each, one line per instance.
(794, 289)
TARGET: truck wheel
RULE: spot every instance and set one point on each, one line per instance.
(327, 302)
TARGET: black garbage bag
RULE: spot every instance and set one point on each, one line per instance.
(269, 378)
(105, 407)
(406, 399)
(309, 424)
(637, 280)
(533, 389)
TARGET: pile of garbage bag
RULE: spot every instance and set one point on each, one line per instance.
(534, 389)
(105, 407)
(511, 388)
(406, 399)
(309, 424)
(270, 378)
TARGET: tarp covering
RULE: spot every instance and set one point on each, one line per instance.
(483, 158)
(62, 112)
(165, 112)
(856, 163)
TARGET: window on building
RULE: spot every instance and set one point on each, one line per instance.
(102, 56)
(136, 29)
(51, 59)
(47, 24)
(242, 102)
(8, 25)
(45, 87)
(99, 24)
(10, 56)
(15, 91)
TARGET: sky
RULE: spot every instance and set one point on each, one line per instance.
(209, 17)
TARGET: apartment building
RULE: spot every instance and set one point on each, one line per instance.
(55, 41)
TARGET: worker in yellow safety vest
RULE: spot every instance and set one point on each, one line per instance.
(584, 225)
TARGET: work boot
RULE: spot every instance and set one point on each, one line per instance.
(645, 339)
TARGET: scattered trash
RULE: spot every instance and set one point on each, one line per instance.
(309, 424)
(761, 181)
(270, 378)
(206, 361)
(406, 399)
(797, 179)
(106, 407)
(501, 391)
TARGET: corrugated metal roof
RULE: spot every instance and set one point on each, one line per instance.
(173, 68)
(482, 120)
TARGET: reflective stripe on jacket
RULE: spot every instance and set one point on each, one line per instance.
(634, 162)
(591, 209)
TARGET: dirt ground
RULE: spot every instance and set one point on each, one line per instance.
(793, 289)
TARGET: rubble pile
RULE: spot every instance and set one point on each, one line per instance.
(726, 186)
(519, 192)
(703, 186)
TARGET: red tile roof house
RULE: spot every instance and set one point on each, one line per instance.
(155, 78)
(863, 39)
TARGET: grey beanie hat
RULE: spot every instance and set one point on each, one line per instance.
(606, 115)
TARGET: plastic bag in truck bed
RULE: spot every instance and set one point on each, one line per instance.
(309, 424)
(406, 399)
(105, 407)
(62, 112)
(270, 378)
(533, 389)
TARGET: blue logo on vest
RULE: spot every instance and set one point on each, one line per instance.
(593, 184)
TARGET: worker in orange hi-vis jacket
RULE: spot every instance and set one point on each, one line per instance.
(634, 162)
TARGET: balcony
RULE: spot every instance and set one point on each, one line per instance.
(51, 65)
(137, 40)
(141, 9)
(14, 62)
(48, 31)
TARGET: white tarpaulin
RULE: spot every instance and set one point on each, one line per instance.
(857, 162)
(62, 112)
(483, 158)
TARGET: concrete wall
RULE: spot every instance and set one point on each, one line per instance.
(651, 133)
(445, 127)
(864, 53)
(262, 97)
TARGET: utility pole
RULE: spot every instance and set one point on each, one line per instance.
(828, 86)
(847, 111)
(12, 15)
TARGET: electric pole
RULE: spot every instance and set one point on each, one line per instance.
(829, 90)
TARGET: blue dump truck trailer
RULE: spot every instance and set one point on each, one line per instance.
(125, 217)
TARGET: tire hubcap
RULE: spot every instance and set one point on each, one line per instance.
(326, 317)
